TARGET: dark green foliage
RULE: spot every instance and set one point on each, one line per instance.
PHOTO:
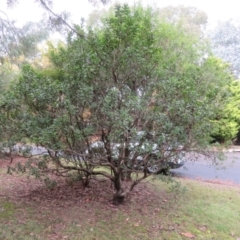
(133, 74)
(228, 119)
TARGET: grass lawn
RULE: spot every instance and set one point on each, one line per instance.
(196, 210)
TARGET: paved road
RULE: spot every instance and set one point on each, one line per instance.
(229, 170)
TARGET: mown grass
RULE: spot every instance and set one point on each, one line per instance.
(15, 226)
(208, 211)
(202, 211)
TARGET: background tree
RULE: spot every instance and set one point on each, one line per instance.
(235, 106)
(17, 46)
(228, 120)
(57, 21)
(225, 44)
(225, 39)
(134, 83)
(11, 3)
(95, 17)
(16, 42)
(191, 19)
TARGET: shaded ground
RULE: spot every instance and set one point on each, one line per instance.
(29, 210)
(100, 191)
(54, 210)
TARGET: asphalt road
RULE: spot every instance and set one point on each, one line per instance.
(227, 170)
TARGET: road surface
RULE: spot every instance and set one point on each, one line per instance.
(229, 169)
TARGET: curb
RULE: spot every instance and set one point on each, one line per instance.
(231, 150)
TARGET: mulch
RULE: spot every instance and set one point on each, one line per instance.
(20, 188)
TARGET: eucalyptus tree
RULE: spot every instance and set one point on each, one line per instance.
(12, 3)
(17, 43)
(225, 40)
(115, 94)
(191, 19)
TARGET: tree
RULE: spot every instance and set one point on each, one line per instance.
(134, 83)
(57, 20)
(95, 17)
(11, 3)
(225, 40)
(16, 42)
(225, 44)
(191, 19)
(18, 45)
(228, 120)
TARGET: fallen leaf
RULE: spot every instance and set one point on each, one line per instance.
(136, 224)
(188, 235)
(203, 228)
(171, 228)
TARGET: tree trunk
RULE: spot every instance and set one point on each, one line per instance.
(119, 196)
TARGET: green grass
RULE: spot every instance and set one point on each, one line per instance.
(215, 207)
(7, 210)
(205, 210)
(208, 211)
(15, 226)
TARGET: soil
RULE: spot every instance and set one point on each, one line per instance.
(99, 193)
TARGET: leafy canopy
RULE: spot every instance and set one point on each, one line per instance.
(133, 83)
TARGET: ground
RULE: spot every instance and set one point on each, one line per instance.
(29, 210)
(71, 204)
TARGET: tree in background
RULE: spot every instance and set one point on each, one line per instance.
(235, 106)
(17, 46)
(225, 40)
(227, 120)
(16, 42)
(191, 19)
(57, 21)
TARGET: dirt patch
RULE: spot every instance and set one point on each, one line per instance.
(68, 206)
(66, 201)
(99, 190)
(7, 161)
